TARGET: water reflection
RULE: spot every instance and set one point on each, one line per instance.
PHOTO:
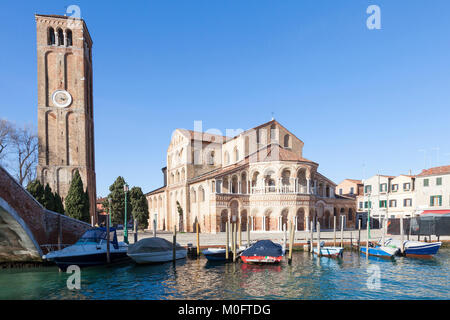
(308, 277)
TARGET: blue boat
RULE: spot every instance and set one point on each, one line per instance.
(416, 248)
(219, 254)
(380, 251)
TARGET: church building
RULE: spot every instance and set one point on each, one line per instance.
(258, 178)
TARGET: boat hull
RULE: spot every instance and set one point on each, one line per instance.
(423, 250)
(89, 260)
(416, 248)
(332, 252)
(261, 259)
(157, 257)
(378, 252)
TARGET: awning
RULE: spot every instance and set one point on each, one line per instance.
(439, 213)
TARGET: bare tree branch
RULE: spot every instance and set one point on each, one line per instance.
(24, 143)
(5, 132)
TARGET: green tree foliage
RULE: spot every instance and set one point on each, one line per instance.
(117, 196)
(36, 189)
(76, 205)
(45, 196)
(49, 198)
(139, 207)
(59, 207)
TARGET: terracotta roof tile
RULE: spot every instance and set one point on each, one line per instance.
(435, 171)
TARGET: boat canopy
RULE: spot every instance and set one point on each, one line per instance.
(96, 235)
(264, 248)
(152, 245)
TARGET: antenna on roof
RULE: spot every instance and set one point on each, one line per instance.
(273, 118)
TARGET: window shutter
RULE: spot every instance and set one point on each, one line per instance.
(431, 201)
(440, 200)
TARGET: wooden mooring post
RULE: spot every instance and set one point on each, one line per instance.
(311, 237)
(291, 241)
(234, 227)
(108, 253)
(318, 239)
(198, 239)
(248, 234)
(174, 245)
(334, 229)
(342, 231)
(227, 230)
(359, 234)
(402, 248)
(240, 234)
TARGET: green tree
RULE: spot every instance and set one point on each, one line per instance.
(45, 196)
(139, 207)
(36, 189)
(117, 196)
(76, 205)
(59, 207)
(49, 198)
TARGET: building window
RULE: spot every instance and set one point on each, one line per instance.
(367, 189)
(368, 204)
(383, 187)
(439, 181)
(60, 37)
(287, 143)
(394, 187)
(407, 202)
(360, 205)
(340, 191)
(69, 37)
(352, 190)
(393, 203)
(435, 201)
(426, 182)
(383, 203)
(51, 36)
(407, 186)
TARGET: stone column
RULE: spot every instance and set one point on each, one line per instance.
(306, 220)
(308, 186)
(56, 37)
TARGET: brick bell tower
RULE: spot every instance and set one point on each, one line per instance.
(65, 104)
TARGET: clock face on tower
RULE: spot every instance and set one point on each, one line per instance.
(61, 98)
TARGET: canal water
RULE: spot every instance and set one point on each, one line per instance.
(308, 277)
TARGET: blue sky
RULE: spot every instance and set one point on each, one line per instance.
(363, 101)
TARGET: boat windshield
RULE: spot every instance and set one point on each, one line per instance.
(92, 236)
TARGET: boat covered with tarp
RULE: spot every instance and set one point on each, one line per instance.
(155, 250)
(263, 251)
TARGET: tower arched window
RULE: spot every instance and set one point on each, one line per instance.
(69, 37)
(60, 37)
(51, 36)
(211, 158)
(287, 142)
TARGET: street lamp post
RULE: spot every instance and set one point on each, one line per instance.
(125, 232)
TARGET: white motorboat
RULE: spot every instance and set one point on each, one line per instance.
(155, 250)
(90, 250)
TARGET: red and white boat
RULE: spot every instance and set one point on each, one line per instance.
(263, 251)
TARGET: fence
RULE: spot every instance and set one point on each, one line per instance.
(422, 226)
